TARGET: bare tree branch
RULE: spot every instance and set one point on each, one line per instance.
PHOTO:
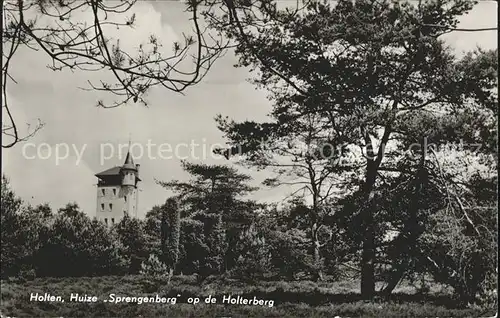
(52, 28)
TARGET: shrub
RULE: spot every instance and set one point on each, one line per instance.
(192, 247)
(27, 274)
(130, 234)
(154, 273)
(464, 261)
(289, 253)
(255, 255)
(13, 236)
(83, 247)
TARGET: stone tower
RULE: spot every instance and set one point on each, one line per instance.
(117, 192)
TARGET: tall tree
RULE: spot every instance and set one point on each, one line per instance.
(303, 155)
(12, 235)
(214, 197)
(369, 69)
(172, 219)
(131, 235)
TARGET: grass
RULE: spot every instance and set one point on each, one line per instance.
(291, 299)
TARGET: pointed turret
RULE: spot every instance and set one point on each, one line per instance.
(129, 171)
(129, 162)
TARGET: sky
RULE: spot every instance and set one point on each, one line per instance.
(89, 133)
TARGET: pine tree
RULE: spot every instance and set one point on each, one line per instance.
(212, 198)
(368, 70)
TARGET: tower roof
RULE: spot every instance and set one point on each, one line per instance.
(109, 172)
(117, 171)
(129, 162)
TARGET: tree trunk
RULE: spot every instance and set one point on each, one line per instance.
(395, 279)
(368, 259)
(368, 252)
(316, 246)
(411, 230)
(318, 275)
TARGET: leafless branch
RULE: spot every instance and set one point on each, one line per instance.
(52, 28)
(455, 196)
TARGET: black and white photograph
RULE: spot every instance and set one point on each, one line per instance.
(249, 158)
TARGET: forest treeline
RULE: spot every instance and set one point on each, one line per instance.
(209, 229)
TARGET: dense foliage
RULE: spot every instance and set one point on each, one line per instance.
(368, 100)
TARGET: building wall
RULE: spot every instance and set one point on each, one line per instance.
(129, 196)
(113, 202)
(129, 178)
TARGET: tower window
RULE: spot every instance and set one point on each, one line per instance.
(112, 221)
(106, 221)
(114, 191)
(125, 197)
(111, 206)
(103, 191)
(102, 206)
